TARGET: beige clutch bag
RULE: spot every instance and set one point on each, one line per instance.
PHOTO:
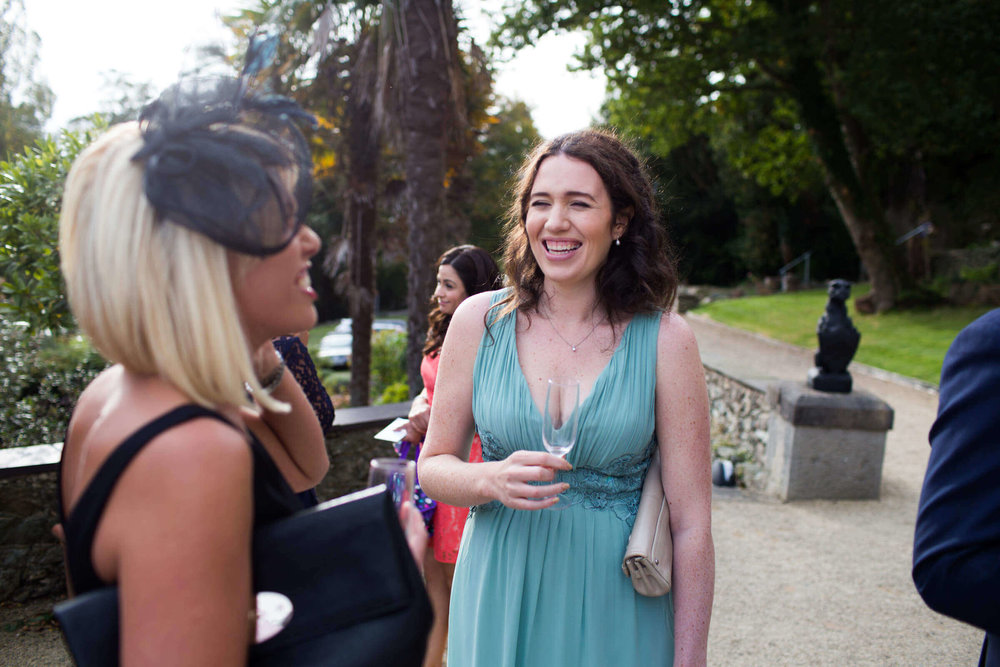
(649, 555)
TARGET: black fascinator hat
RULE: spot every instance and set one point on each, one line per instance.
(227, 163)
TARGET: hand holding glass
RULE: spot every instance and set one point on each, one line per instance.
(561, 418)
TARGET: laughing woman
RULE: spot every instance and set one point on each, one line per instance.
(185, 253)
(591, 286)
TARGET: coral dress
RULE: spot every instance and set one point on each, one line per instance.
(545, 587)
(449, 521)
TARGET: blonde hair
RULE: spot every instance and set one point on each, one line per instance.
(153, 296)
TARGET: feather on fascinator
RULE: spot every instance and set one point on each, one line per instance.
(226, 162)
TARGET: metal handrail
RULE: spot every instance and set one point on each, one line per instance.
(923, 229)
(804, 257)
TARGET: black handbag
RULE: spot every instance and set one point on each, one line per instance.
(357, 595)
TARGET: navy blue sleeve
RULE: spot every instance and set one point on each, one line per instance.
(298, 361)
(956, 550)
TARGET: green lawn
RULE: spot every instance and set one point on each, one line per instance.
(911, 343)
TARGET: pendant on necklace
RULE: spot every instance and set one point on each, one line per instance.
(572, 347)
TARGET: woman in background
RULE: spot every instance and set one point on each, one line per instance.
(462, 271)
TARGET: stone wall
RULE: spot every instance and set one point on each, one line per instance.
(31, 559)
(740, 414)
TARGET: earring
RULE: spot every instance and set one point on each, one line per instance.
(618, 241)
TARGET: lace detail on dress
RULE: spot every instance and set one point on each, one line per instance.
(616, 487)
(298, 361)
(493, 450)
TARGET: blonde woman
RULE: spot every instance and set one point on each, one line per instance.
(185, 253)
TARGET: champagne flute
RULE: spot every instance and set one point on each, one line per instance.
(561, 419)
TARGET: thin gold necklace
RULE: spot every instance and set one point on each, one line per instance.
(571, 345)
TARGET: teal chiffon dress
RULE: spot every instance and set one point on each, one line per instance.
(545, 587)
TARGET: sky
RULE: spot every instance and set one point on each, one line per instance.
(151, 42)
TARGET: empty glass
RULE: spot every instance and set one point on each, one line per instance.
(398, 475)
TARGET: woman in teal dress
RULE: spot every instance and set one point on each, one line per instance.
(538, 579)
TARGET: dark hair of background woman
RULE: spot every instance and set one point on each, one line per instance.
(640, 274)
(478, 272)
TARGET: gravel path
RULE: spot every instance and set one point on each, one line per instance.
(29, 636)
(802, 583)
(825, 582)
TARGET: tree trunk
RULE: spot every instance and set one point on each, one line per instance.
(871, 249)
(841, 147)
(423, 74)
(362, 160)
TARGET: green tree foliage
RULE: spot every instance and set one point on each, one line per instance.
(700, 214)
(871, 98)
(31, 187)
(508, 138)
(25, 104)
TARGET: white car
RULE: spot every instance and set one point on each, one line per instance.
(335, 347)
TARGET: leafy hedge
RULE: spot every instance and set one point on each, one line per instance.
(388, 362)
(43, 368)
(41, 377)
(31, 186)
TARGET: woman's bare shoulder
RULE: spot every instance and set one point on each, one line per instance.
(184, 502)
(470, 314)
(97, 393)
(115, 406)
(477, 304)
(675, 334)
(198, 461)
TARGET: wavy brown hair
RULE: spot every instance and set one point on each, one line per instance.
(639, 275)
(478, 273)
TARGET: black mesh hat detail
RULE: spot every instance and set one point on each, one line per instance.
(227, 163)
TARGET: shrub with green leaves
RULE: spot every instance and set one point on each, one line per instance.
(388, 361)
(397, 392)
(41, 377)
(986, 274)
(31, 186)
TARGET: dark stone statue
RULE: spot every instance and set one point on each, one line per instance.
(838, 341)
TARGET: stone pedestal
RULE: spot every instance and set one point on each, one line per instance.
(840, 383)
(825, 446)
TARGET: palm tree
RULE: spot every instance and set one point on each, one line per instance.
(379, 72)
(363, 147)
(426, 61)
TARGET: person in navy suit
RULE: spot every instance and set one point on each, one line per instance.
(956, 548)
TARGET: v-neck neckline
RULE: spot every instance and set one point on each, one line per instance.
(626, 332)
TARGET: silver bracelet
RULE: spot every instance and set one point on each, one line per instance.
(271, 381)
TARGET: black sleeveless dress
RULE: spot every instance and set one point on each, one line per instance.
(272, 497)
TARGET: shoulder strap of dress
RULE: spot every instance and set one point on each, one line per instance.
(90, 506)
(494, 311)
